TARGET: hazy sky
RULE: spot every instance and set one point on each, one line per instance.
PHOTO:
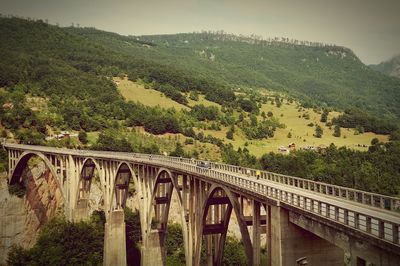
(371, 28)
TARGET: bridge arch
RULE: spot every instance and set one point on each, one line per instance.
(164, 178)
(121, 179)
(164, 185)
(87, 172)
(214, 220)
(22, 162)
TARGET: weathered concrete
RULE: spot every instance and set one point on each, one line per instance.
(114, 240)
(154, 252)
(354, 247)
(81, 211)
(290, 243)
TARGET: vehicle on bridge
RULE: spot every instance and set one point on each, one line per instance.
(204, 164)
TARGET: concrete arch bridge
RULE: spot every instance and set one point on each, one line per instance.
(323, 223)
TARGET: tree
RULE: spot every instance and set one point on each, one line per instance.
(194, 96)
(394, 135)
(132, 236)
(178, 152)
(174, 245)
(374, 141)
(324, 116)
(270, 114)
(229, 134)
(289, 135)
(63, 243)
(336, 131)
(234, 252)
(318, 131)
(82, 136)
(253, 120)
(263, 115)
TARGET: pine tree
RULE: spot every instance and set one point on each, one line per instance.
(318, 131)
(336, 131)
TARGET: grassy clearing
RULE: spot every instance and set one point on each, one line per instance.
(133, 91)
(302, 135)
(202, 100)
(289, 113)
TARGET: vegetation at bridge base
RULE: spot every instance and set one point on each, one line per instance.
(234, 253)
(132, 236)
(64, 243)
(174, 245)
(3, 160)
(17, 189)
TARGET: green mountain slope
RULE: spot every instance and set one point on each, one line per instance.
(317, 74)
(390, 67)
(74, 62)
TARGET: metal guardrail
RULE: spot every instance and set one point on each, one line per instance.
(372, 225)
(355, 195)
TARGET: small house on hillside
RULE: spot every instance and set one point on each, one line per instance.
(283, 150)
(8, 106)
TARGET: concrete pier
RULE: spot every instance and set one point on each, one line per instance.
(114, 240)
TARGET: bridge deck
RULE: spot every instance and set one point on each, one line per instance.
(309, 196)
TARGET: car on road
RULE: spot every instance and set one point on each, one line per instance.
(204, 164)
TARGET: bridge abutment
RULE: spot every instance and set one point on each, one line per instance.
(290, 243)
(114, 240)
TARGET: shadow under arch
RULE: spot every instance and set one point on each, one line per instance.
(167, 179)
(42, 210)
(219, 195)
(22, 163)
(119, 192)
(86, 174)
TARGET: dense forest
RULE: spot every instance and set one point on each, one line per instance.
(390, 67)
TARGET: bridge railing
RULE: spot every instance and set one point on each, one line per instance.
(355, 195)
(374, 226)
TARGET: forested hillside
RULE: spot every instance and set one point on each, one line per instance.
(390, 67)
(317, 74)
(54, 79)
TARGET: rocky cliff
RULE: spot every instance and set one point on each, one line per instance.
(22, 218)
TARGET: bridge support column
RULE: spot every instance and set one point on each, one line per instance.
(256, 233)
(114, 240)
(153, 250)
(290, 243)
(80, 213)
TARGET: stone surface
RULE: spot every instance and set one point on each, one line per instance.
(22, 218)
